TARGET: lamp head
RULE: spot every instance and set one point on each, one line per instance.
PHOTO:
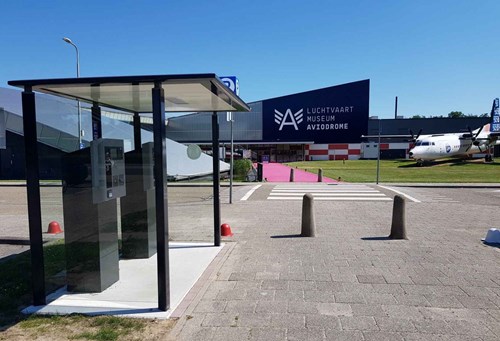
(67, 40)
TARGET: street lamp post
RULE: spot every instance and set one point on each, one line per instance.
(378, 153)
(80, 131)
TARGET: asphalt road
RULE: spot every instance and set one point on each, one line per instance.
(191, 211)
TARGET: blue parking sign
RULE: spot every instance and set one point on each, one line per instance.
(232, 83)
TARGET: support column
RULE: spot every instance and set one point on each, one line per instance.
(33, 192)
(137, 132)
(216, 177)
(160, 176)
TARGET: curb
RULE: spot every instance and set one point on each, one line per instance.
(194, 296)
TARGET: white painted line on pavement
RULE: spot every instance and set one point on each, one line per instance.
(314, 194)
(400, 193)
(250, 192)
(325, 190)
(334, 198)
(322, 186)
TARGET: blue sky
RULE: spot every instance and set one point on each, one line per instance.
(436, 56)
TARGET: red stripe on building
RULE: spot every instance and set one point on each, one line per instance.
(384, 146)
(318, 152)
(338, 146)
(354, 151)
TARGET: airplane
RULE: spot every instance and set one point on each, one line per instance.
(437, 146)
(428, 148)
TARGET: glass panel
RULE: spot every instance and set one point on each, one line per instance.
(52, 225)
(15, 122)
(137, 207)
(101, 197)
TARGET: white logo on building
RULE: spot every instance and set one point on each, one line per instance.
(288, 118)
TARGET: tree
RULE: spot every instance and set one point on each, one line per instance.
(456, 114)
(453, 114)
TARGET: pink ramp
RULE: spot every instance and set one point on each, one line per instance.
(277, 172)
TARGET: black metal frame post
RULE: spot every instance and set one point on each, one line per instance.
(137, 132)
(33, 192)
(137, 120)
(216, 177)
(160, 175)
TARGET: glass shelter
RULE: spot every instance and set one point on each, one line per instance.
(96, 175)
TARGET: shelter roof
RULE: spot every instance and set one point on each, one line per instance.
(183, 93)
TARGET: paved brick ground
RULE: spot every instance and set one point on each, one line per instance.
(350, 283)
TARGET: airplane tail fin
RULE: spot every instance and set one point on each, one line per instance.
(495, 117)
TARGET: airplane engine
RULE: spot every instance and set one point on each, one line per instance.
(482, 145)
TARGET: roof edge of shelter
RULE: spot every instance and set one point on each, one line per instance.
(110, 79)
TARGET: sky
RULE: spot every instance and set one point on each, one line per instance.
(437, 56)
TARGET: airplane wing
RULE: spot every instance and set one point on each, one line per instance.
(402, 137)
(386, 136)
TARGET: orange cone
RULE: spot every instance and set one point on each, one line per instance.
(226, 230)
(54, 228)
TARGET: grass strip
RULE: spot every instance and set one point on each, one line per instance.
(406, 171)
(79, 327)
(15, 286)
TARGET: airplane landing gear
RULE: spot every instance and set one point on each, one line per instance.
(422, 163)
(488, 157)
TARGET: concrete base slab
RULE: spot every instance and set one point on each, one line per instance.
(136, 293)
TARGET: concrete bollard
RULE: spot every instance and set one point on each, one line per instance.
(320, 175)
(398, 227)
(291, 175)
(308, 226)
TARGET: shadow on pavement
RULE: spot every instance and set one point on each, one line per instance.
(497, 245)
(376, 238)
(287, 236)
(14, 241)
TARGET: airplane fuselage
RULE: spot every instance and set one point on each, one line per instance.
(432, 147)
(438, 146)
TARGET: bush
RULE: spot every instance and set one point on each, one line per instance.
(241, 167)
